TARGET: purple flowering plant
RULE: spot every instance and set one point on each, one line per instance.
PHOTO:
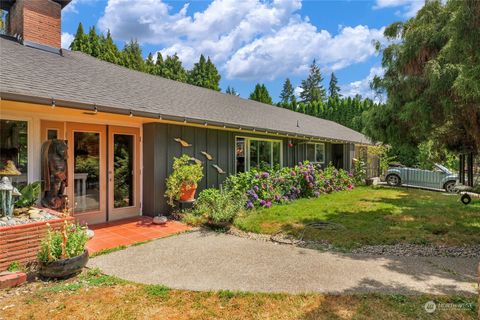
(263, 188)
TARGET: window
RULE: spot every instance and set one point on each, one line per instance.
(253, 152)
(14, 147)
(315, 152)
(52, 134)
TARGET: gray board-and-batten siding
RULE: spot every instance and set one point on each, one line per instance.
(160, 149)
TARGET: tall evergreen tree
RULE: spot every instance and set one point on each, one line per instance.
(150, 64)
(109, 50)
(158, 71)
(94, 43)
(333, 88)
(213, 76)
(232, 91)
(260, 94)
(80, 41)
(287, 92)
(173, 69)
(198, 76)
(312, 88)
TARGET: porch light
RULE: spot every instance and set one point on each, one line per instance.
(240, 128)
(253, 129)
(159, 117)
(95, 109)
(131, 114)
(205, 124)
(184, 120)
(53, 103)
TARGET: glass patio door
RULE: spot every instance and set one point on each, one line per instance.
(87, 171)
(123, 172)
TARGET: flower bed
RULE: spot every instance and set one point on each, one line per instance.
(21, 242)
(264, 188)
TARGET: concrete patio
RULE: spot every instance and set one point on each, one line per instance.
(212, 261)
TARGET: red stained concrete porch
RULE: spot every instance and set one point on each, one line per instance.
(130, 231)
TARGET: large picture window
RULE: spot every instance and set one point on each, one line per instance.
(315, 152)
(257, 153)
(14, 147)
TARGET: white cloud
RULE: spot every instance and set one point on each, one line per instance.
(294, 47)
(409, 7)
(362, 87)
(67, 39)
(297, 91)
(72, 6)
(246, 39)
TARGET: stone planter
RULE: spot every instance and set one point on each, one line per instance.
(20, 243)
(64, 268)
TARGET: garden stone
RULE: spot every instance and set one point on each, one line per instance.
(35, 215)
(160, 220)
(90, 233)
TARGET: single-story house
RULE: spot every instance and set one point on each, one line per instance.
(124, 127)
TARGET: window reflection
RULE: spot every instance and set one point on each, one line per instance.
(87, 171)
(257, 153)
(123, 170)
(14, 147)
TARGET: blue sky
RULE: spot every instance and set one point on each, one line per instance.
(253, 41)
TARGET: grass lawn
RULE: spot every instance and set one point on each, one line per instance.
(374, 215)
(96, 296)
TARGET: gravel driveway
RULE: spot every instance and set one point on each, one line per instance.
(212, 261)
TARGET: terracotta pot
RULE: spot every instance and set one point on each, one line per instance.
(63, 268)
(187, 192)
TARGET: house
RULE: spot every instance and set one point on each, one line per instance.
(124, 127)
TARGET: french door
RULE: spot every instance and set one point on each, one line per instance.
(104, 172)
(123, 172)
(87, 171)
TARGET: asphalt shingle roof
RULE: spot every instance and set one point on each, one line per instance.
(77, 77)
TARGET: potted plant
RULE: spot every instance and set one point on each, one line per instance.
(62, 252)
(182, 183)
(218, 207)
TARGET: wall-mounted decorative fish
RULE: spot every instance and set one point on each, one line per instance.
(207, 155)
(183, 143)
(197, 161)
(220, 170)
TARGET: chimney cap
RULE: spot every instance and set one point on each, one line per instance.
(7, 4)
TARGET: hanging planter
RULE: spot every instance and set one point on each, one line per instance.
(182, 182)
(187, 192)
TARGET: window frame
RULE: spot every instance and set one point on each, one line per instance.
(247, 140)
(31, 159)
(315, 144)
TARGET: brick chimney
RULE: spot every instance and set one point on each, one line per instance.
(35, 22)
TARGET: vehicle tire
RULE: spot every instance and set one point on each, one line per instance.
(466, 199)
(393, 180)
(449, 186)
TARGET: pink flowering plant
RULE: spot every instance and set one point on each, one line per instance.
(263, 188)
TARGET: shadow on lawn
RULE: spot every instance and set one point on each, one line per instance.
(406, 219)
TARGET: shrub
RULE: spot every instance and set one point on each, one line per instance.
(67, 243)
(186, 172)
(264, 188)
(29, 195)
(218, 205)
(359, 171)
